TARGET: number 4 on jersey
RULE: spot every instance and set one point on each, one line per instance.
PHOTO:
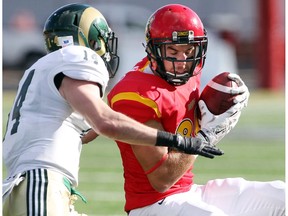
(19, 101)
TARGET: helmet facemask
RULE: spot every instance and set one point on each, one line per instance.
(105, 44)
(111, 58)
(156, 49)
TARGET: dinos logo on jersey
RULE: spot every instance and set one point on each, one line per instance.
(185, 128)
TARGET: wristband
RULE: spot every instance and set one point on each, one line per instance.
(166, 139)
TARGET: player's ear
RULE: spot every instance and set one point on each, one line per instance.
(153, 64)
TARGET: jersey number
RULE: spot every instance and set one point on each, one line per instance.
(19, 102)
(94, 57)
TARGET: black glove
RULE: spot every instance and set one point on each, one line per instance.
(188, 145)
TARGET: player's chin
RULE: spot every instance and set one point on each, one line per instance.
(181, 73)
(181, 70)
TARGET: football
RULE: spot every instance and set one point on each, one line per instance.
(217, 93)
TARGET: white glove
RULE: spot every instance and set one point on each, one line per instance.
(242, 90)
(215, 127)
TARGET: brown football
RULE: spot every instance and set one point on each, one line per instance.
(217, 93)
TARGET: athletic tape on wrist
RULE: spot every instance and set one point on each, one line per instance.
(166, 139)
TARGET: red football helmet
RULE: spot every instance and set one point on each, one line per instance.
(176, 24)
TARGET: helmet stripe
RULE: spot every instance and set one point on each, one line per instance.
(87, 18)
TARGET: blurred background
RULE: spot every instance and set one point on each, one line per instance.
(245, 37)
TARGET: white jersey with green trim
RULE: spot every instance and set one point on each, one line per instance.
(41, 131)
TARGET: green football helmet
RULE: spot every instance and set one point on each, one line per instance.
(81, 24)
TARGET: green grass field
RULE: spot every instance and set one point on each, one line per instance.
(255, 150)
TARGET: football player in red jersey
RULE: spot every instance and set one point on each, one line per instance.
(60, 97)
(162, 91)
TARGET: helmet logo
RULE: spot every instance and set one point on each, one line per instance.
(182, 35)
(64, 41)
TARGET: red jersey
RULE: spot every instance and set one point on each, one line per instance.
(143, 96)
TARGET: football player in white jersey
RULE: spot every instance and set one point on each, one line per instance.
(58, 98)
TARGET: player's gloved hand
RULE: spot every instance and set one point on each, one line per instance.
(197, 146)
(241, 91)
(215, 127)
(188, 145)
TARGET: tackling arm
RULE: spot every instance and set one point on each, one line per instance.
(84, 98)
